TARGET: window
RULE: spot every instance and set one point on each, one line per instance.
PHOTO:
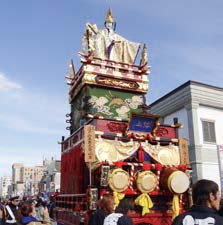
(208, 131)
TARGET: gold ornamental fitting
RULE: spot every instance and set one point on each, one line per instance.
(109, 18)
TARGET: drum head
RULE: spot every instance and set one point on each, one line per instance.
(146, 181)
(179, 183)
(118, 180)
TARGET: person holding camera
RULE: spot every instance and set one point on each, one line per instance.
(28, 213)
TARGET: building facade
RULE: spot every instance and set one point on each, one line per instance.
(52, 177)
(25, 179)
(5, 186)
(199, 107)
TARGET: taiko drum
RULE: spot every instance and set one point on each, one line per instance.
(174, 180)
(146, 181)
(118, 180)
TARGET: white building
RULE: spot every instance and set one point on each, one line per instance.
(6, 183)
(53, 176)
(25, 179)
(199, 107)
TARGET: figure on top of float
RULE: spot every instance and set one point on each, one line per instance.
(108, 44)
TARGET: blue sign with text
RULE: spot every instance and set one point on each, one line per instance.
(142, 124)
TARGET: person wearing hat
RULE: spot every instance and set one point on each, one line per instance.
(11, 211)
(109, 45)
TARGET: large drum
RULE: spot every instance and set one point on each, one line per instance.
(118, 180)
(146, 181)
(174, 180)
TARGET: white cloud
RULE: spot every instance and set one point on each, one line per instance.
(6, 84)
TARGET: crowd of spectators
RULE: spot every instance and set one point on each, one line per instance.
(19, 210)
(207, 208)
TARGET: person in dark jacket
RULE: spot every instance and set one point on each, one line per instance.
(51, 206)
(206, 203)
(220, 212)
(106, 206)
(11, 211)
(121, 214)
(2, 213)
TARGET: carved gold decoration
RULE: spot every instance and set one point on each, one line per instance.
(88, 37)
(89, 77)
(143, 86)
(117, 127)
(72, 71)
(84, 45)
(144, 57)
(114, 150)
(165, 155)
(109, 18)
(115, 82)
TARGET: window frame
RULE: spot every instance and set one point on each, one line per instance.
(209, 136)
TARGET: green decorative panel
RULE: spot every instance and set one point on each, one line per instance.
(77, 110)
(113, 104)
(109, 103)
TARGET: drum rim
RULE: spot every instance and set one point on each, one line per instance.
(170, 179)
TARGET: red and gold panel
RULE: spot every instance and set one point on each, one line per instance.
(110, 126)
(166, 132)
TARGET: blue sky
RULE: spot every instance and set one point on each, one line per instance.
(38, 39)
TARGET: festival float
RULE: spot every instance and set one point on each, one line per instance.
(116, 145)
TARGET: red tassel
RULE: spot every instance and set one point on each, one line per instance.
(140, 154)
